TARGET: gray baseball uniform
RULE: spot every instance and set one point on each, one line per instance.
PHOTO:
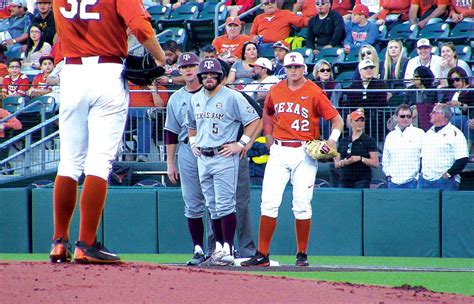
(217, 121)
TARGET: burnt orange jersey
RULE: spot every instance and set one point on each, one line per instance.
(295, 115)
(98, 28)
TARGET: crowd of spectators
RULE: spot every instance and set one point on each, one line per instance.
(29, 44)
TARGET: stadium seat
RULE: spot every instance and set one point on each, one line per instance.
(401, 32)
(174, 33)
(47, 105)
(158, 12)
(345, 78)
(177, 17)
(464, 52)
(201, 31)
(13, 103)
(461, 33)
(321, 183)
(266, 50)
(307, 53)
(332, 55)
(433, 32)
(148, 183)
(396, 100)
(350, 62)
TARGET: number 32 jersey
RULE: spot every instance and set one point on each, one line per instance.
(98, 28)
(295, 115)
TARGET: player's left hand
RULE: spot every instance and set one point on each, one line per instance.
(230, 149)
(331, 143)
(247, 147)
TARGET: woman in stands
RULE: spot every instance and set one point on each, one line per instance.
(460, 101)
(36, 48)
(424, 101)
(358, 154)
(324, 78)
(241, 72)
(450, 60)
(369, 52)
(395, 65)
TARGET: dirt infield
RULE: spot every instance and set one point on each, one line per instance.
(41, 282)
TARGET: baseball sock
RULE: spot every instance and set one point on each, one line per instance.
(303, 228)
(217, 229)
(267, 227)
(196, 229)
(64, 201)
(92, 203)
(229, 223)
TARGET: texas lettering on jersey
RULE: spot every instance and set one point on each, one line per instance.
(291, 107)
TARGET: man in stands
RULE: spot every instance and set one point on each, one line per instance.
(421, 11)
(326, 29)
(280, 49)
(17, 27)
(44, 17)
(461, 11)
(425, 58)
(229, 45)
(263, 79)
(275, 24)
(444, 152)
(172, 76)
(360, 31)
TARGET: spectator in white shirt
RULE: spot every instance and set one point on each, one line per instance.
(424, 58)
(263, 79)
(402, 151)
(444, 152)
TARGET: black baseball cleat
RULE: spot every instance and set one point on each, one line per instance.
(95, 254)
(302, 259)
(257, 260)
(60, 251)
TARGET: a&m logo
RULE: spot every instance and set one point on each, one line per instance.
(209, 65)
(186, 57)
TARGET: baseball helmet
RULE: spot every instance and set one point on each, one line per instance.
(187, 59)
(210, 65)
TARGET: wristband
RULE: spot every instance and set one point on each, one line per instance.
(335, 134)
(240, 143)
(192, 141)
(244, 139)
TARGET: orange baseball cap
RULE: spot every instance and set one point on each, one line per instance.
(233, 20)
(357, 114)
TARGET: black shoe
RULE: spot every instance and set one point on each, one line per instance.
(301, 259)
(60, 251)
(257, 260)
(96, 254)
(196, 260)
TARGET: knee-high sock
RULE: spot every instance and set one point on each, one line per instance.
(303, 228)
(92, 203)
(196, 229)
(229, 223)
(64, 201)
(267, 227)
(217, 229)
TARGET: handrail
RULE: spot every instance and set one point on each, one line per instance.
(21, 110)
(244, 14)
(29, 131)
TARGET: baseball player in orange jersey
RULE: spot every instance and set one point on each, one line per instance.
(291, 117)
(94, 102)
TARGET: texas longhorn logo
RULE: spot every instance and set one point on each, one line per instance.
(293, 58)
(209, 65)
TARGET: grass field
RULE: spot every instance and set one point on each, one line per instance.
(453, 282)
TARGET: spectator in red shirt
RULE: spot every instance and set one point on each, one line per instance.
(15, 83)
(307, 8)
(229, 46)
(392, 7)
(275, 24)
(5, 127)
(426, 10)
(461, 11)
(40, 86)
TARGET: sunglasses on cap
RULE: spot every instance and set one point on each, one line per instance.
(325, 70)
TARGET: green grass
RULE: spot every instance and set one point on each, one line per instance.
(453, 282)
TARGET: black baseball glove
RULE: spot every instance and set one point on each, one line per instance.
(142, 70)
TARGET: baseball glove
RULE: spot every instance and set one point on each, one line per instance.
(319, 150)
(142, 70)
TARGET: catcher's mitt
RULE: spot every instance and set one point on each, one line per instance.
(142, 70)
(318, 149)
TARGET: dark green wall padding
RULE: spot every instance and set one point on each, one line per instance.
(402, 223)
(457, 224)
(345, 222)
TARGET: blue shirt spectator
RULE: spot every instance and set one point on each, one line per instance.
(360, 31)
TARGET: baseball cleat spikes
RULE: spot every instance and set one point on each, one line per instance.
(258, 260)
(60, 251)
(302, 259)
(95, 254)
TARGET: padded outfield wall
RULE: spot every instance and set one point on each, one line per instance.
(346, 222)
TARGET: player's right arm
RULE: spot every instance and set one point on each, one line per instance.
(268, 113)
(172, 171)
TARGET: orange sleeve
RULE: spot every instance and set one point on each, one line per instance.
(217, 44)
(36, 80)
(136, 18)
(254, 28)
(268, 112)
(296, 20)
(415, 2)
(443, 2)
(12, 123)
(23, 85)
